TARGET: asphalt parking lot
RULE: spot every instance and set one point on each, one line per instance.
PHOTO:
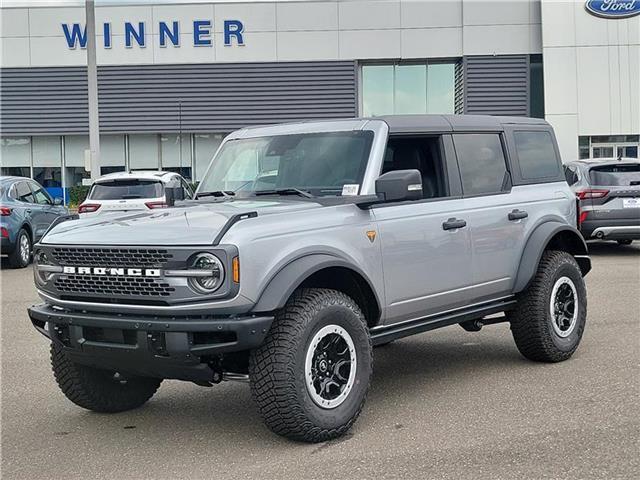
(445, 404)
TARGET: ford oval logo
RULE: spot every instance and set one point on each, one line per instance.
(613, 8)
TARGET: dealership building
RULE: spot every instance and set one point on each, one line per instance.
(175, 77)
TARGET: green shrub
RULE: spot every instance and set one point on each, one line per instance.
(78, 194)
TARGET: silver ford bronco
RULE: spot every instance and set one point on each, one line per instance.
(306, 245)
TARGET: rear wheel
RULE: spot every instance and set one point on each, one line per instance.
(550, 317)
(625, 242)
(21, 255)
(311, 375)
(100, 390)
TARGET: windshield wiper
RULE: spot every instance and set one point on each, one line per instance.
(284, 191)
(216, 193)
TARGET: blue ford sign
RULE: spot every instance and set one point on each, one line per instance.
(613, 8)
(168, 34)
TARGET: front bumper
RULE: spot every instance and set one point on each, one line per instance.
(177, 347)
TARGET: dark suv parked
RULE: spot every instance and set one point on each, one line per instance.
(608, 192)
(26, 211)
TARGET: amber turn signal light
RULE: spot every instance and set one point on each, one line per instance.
(235, 264)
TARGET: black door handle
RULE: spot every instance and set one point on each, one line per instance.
(518, 215)
(28, 210)
(453, 223)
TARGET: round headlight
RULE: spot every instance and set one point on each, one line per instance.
(41, 276)
(213, 273)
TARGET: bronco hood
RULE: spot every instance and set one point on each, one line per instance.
(196, 224)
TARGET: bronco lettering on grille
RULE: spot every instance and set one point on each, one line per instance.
(129, 272)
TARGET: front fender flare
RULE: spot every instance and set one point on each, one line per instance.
(290, 277)
(536, 245)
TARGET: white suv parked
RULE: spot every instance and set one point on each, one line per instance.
(142, 190)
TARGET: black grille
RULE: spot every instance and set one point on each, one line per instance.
(110, 257)
(104, 285)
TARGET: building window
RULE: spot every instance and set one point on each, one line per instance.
(144, 153)
(536, 87)
(15, 153)
(609, 146)
(74, 160)
(47, 163)
(205, 146)
(408, 88)
(583, 147)
(112, 153)
(176, 153)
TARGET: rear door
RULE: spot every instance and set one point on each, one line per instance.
(497, 239)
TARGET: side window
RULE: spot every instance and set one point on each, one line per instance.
(419, 153)
(571, 174)
(536, 156)
(481, 161)
(40, 195)
(23, 193)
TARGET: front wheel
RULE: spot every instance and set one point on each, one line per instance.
(100, 390)
(311, 375)
(549, 319)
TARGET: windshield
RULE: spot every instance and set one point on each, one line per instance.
(124, 189)
(317, 163)
(615, 175)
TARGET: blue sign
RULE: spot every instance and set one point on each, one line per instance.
(168, 33)
(613, 8)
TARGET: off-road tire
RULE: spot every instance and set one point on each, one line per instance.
(531, 320)
(16, 259)
(277, 367)
(96, 389)
(624, 242)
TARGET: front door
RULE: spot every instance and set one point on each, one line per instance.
(426, 248)
(427, 269)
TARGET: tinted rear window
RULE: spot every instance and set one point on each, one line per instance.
(126, 189)
(615, 175)
(536, 155)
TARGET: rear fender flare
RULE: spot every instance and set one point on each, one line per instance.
(540, 240)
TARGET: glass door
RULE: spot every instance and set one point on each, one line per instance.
(616, 150)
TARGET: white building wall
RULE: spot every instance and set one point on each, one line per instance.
(591, 73)
(282, 30)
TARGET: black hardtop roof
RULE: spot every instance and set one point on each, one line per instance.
(446, 123)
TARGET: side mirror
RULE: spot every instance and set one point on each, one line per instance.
(170, 196)
(399, 185)
(57, 201)
(178, 193)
